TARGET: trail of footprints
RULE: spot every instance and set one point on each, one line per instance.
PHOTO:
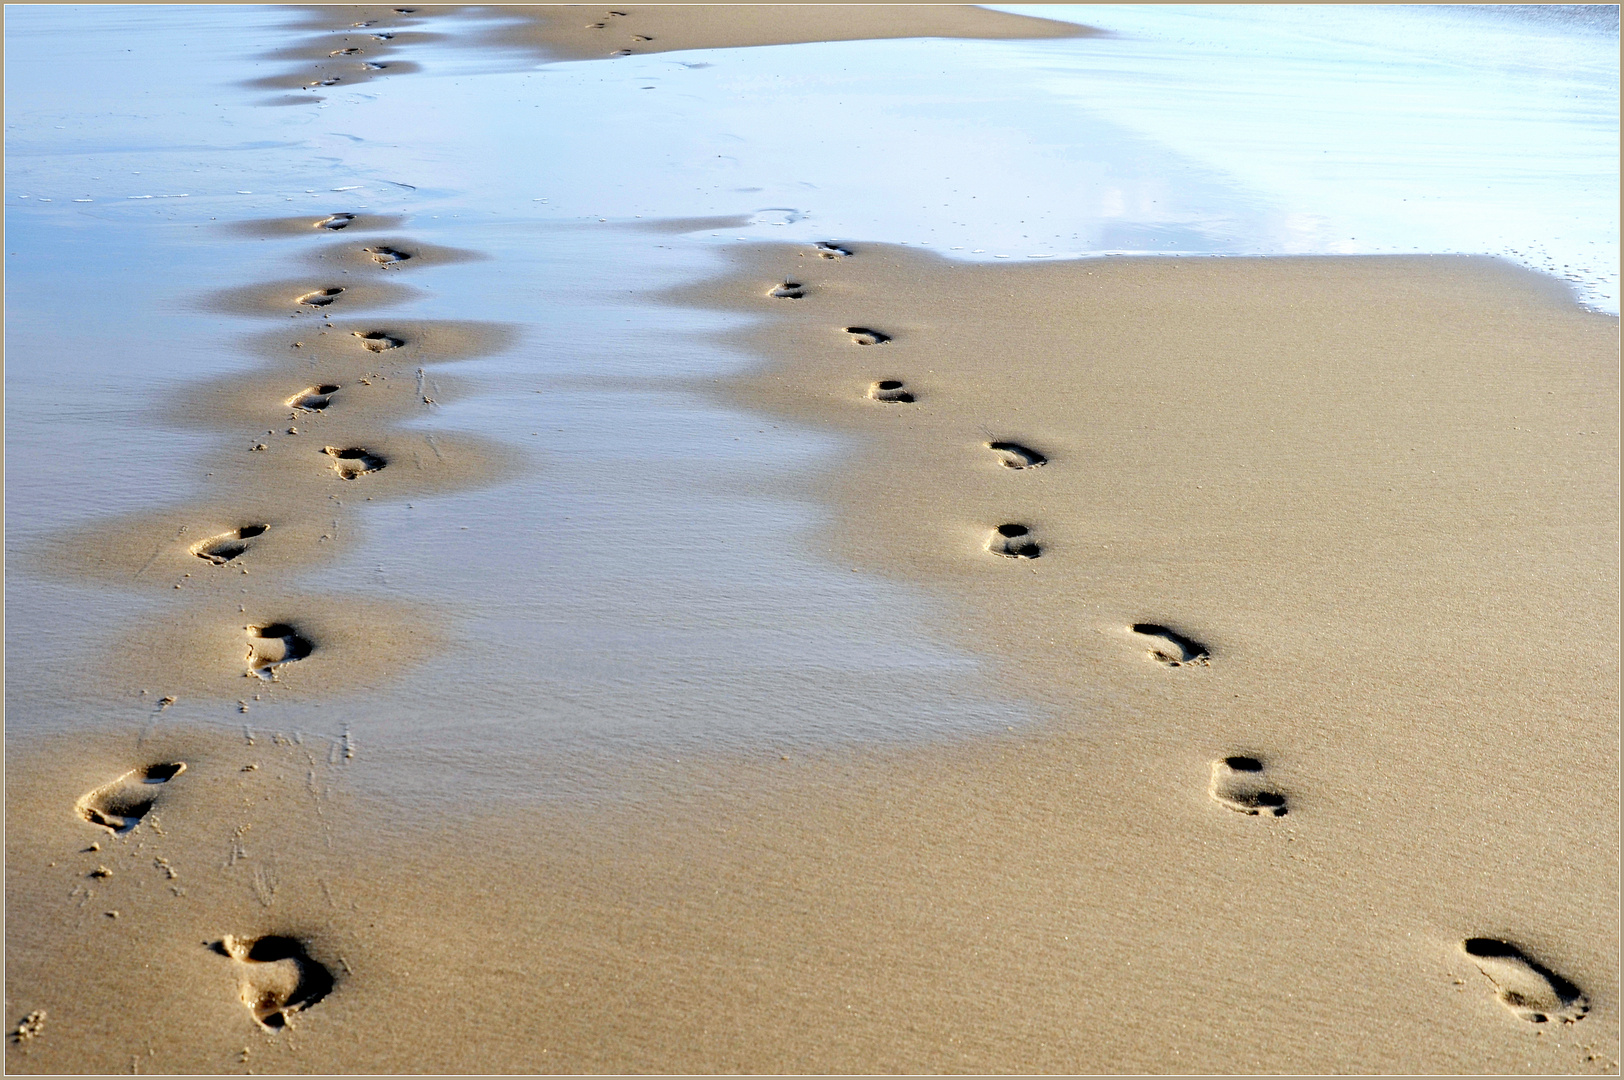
(277, 976)
(1237, 782)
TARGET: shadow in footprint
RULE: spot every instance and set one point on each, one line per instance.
(1172, 648)
(1014, 542)
(891, 390)
(385, 255)
(276, 976)
(789, 290)
(1532, 991)
(119, 806)
(221, 549)
(1237, 782)
(378, 341)
(1015, 456)
(314, 398)
(831, 250)
(354, 461)
(862, 335)
(321, 297)
(273, 645)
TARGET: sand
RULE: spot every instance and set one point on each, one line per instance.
(1332, 537)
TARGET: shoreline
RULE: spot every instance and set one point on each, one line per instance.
(1302, 566)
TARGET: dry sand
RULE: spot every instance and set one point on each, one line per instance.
(1371, 504)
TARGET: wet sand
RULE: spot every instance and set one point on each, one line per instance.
(1308, 564)
(1364, 501)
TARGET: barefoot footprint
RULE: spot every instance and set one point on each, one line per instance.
(273, 645)
(1014, 542)
(789, 290)
(335, 221)
(377, 340)
(831, 250)
(354, 461)
(313, 398)
(386, 255)
(1171, 647)
(221, 549)
(862, 335)
(321, 297)
(891, 390)
(1237, 782)
(1530, 990)
(1015, 456)
(119, 806)
(276, 976)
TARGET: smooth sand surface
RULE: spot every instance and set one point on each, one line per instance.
(1332, 537)
(1378, 493)
(585, 32)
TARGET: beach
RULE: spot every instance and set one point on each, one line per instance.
(598, 644)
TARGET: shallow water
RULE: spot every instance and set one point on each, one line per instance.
(650, 576)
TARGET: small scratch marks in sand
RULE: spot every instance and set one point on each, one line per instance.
(265, 885)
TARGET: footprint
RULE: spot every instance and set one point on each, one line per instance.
(641, 37)
(331, 81)
(335, 221)
(354, 461)
(321, 297)
(120, 805)
(1530, 990)
(1014, 542)
(1015, 456)
(862, 335)
(377, 340)
(313, 399)
(382, 37)
(1237, 782)
(832, 251)
(221, 549)
(1172, 648)
(372, 66)
(276, 976)
(385, 255)
(891, 390)
(596, 25)
(789, 290)
(275, 644)
(344, 52)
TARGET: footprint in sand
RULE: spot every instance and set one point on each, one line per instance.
(332, 81)
(354, 461)
(1532, 991)
(377, 340)
(313, 398)
(119, 806)
(386, 255)
(273, 645)
(371, 66)
(276, 976)
(1237, 782)
(344, 52)
(335, 221)
(1014, 542)
(221, 549)
(862, 335)
(832, 251)
(789, 290)
(1172, 648)
(1013, 455)
(891, 390)
(321, 297)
